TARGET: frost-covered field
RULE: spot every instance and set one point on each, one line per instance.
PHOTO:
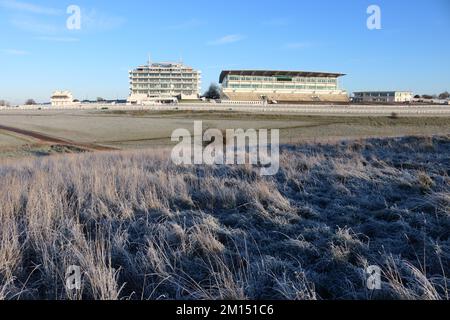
(140, 129)
(140, 227)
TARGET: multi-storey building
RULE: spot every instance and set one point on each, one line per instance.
(383, 97)
(162, 82)
(281, 86)
(62, 99)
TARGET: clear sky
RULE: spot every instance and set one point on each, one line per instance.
(38, 54)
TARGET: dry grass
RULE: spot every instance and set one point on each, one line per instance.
(142, 228)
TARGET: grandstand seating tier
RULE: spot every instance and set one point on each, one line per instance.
(286, 97)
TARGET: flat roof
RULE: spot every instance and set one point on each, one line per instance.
(273, 73)
(383, 91)
(163, 65)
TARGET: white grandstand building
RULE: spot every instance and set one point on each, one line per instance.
(282, 86)
(163, 82)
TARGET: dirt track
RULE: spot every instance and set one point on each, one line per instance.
(52, 140)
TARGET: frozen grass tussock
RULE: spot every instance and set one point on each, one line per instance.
(140, 227)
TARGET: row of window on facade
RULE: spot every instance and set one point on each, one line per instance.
(375, 94)
(187, 92)
(164, 75)
(163, 81)
(272, 79)
(177, 70)
(166, 86)
(279, 86)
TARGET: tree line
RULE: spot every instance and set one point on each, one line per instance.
(443, 96)
(28, 102)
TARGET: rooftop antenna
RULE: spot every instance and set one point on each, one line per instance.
(149, 60)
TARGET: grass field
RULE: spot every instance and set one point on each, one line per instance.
(143, 129)
(346, 197)
(141, 227)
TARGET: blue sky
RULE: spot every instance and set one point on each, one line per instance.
(38, 54)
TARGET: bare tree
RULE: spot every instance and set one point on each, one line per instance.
(4, 103)
(30, 102)
(444, 95)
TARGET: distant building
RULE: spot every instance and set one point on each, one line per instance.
(62, 99)
(281, 86)
(431, 101)
(163, 82)
(383, 97)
